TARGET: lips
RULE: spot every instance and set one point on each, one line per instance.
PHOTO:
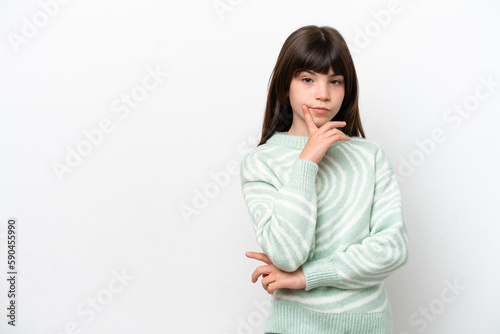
(320, 110)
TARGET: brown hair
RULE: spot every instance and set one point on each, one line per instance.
(315, 49)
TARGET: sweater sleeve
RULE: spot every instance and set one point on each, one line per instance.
(283, 215)
(375, 257)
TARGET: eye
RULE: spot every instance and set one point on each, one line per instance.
(336, 82)
(307, 80)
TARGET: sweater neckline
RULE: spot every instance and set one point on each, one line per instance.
(281, 138)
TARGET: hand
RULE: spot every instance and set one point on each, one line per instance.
(274, 278)
(320, 139)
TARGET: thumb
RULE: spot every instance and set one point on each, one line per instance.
(311, 127)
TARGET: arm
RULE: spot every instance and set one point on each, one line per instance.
(373, 259)
(283, 215)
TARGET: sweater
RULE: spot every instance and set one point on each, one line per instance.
(340, 220)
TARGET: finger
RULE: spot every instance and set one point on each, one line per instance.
(332, 125)
(267, 281)
(311, 127)
(259, 256)
(271, 284)
(262, 270)
(255, 275)
(273, 287)
(336, 135)
(338, 124)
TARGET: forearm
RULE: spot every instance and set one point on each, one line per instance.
(360, 265)
(284, 216)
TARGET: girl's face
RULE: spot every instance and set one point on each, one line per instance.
(322, 93)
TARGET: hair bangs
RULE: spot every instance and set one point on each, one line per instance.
(319, 58)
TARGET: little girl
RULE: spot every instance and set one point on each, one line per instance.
(323, 200)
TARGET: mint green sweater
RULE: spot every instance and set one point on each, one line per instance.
(340, 220)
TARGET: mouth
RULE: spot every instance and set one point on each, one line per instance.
(319, 110)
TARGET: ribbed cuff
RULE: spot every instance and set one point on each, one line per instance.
(303, 175)
(319, 273)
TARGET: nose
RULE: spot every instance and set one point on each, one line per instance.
(322, 92)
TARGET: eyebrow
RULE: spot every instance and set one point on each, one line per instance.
(314, 73)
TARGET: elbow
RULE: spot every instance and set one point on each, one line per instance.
(403, 248)
(404, 256)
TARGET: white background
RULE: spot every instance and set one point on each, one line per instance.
(119, 209)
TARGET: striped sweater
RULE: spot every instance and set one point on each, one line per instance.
(340, 220)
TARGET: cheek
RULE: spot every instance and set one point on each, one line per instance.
(340, 95)
(295, 100)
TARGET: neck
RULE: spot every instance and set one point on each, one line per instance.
(298, 129)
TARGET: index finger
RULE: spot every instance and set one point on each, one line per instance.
(259, 256)
(309, 120)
